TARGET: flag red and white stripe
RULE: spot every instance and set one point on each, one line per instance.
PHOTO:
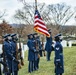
(39, 25)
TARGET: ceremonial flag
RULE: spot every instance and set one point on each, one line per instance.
(39, 25)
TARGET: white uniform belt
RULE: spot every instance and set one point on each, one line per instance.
(57, 59)
(60, 54)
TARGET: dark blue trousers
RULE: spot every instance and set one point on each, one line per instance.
(31, 66)
(40, 52)
(37, 64)
(15, 73)
(48, 56)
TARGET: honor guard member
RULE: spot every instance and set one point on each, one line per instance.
(39, 52)
(8, 48)
(48, 46)
(14, 52)
(37, 47)
(1, 62)
(58, 61)
(31, 53)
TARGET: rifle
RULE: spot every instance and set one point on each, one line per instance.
(19, 65)
(37, 47)
(20, 49)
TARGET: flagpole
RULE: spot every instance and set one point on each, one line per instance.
(35, 4)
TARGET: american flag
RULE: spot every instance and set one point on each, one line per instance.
(39, 25)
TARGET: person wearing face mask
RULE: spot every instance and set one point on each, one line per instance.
(7, 47)
(37, 53)
(16, 64)
(31, 53)
(58, 60)
(14, 37)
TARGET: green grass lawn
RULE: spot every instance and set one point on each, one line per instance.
(47, 68)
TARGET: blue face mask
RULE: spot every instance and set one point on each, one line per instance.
(15, 39)
(60, 38)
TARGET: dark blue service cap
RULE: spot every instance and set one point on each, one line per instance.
(13, 35)
(29, 35)
(57, 35)
(6, 35)
(49, 30)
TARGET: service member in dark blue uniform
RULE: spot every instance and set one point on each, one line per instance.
(58, 61)
(39, 52)
(37, 47)
(14, 52)
(31, 53)
(48, 46)
(7, 47)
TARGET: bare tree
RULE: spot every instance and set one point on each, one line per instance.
(20, 29)
(60, 13)
(2, 14)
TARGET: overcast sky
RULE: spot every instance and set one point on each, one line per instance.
(11, 5)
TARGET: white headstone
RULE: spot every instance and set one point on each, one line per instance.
(22, 46)
(64, 43)
(0, 48)
(70, 43)
(26, 47)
